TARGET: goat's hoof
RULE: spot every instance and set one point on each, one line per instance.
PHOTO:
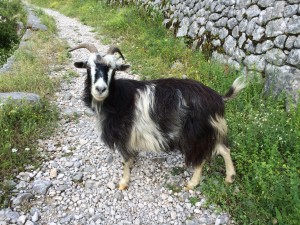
(123, 187)
(188, 187)
(230, 179)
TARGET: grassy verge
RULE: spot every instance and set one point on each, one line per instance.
(22, 125)
(264, 138)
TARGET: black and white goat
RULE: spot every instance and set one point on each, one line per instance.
(157, 115)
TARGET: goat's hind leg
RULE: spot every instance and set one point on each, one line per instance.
(225, 153)
(195, 180)
(123, 184)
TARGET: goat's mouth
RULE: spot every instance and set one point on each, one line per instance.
(100, 97)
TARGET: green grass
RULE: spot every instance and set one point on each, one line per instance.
(264, 138)
(22, 125)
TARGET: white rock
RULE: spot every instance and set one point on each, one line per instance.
(35, 217)
(53, 173)
(22, 219)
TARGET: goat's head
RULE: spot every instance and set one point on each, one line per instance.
(100, 69)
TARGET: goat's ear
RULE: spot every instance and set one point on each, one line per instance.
(80, 64)
(122, 67)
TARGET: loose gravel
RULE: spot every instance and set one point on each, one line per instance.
(77, 182)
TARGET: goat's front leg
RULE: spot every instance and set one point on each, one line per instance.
(195, 180)
(123, 184)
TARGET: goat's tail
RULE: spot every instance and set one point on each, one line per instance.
(238, 84)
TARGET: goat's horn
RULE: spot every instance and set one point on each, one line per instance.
(112, 50)
(92, 48)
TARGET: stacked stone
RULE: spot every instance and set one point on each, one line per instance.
(261, 35)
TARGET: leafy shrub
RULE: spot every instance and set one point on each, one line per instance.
(11, 12)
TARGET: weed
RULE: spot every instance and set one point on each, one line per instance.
(68, 154)
(70, 75)
(193, 200)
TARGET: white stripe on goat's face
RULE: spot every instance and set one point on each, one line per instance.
(101, 73)
(145, 135)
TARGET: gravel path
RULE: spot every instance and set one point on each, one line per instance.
(77, 184)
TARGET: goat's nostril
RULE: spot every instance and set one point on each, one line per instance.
(100, 90)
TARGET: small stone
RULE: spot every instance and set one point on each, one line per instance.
(41, 186)
(289, 44)
(21, 198)
(294, 57)
(90, 184)
(66, 219)
(53, 173)
(276, 27)
(160, 159)
(230, 45)
(252, 11)
(77, 177)
(183, 27)
(276, 56)
(265, 3)
(293, 26)
(119, 196)
(28, 222)
(231, 23)
(137, 221)
(89, 112)
(173, 215)
(10, 184)
(267, 45)
(35, 217)
(111, 185)
(60, 176)
(297, 42)
(19, 97)
(279, 41)
(9, 214)
(222, 219)
(22, 219)
(198, 211)
(69, 164)
(62, 188)
(109, 159)
(290, 10)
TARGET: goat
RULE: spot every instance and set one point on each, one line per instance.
(156, 115)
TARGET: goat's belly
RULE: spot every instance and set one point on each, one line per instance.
(146, 137)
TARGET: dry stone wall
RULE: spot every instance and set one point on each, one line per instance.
(260, 35)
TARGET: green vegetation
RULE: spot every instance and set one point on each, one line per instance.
(264, 138)
(11, 12)
(193, 200)
(22, 125)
